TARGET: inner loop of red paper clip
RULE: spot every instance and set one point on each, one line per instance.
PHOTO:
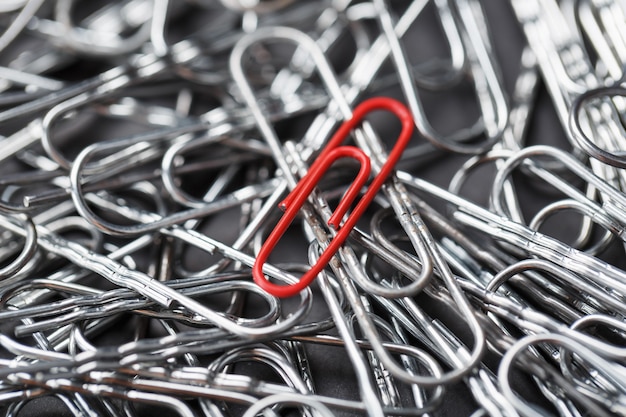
(331, 152)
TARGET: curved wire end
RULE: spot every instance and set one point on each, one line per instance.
(298, 196)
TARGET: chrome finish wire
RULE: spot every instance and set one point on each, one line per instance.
(147, 146)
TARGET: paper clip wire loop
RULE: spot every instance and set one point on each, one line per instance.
(294, 201)
(613, 157)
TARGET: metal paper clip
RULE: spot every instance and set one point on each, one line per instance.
(21, 20)
(104, 34)
(366, 139)
(571, 79)
(495, 107)
(608, 214)
(219, 108)
(602, 366)
(293, 202)
(403, 206)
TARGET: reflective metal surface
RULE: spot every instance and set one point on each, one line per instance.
(476, 268)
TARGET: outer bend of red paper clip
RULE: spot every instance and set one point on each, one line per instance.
(331, 152)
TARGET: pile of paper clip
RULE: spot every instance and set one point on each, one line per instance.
(148, 147)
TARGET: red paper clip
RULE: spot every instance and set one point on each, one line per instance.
(296, 198)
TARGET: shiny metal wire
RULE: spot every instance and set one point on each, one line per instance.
(146, 144)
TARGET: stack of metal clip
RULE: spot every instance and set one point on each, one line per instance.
(148, 146)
